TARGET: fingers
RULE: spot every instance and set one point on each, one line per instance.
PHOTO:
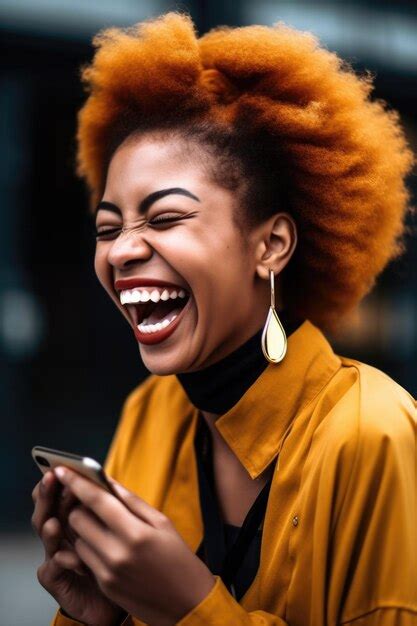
(66, 546)
(90, 558)
(68, 559)
(107, 507)
(51, 532)
(51, 535)
(66, 503)
(89, 528)
(139, 507)
(59, 549)
(49, 573)
(43, 496)
(35, 492)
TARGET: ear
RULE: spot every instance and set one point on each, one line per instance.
(276, 244)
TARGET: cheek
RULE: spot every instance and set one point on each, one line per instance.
(101, 267)
(203, 248)
(104, 274)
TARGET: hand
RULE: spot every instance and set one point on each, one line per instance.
(139, 560)
(63, 574)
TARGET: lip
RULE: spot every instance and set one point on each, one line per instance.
(131, 283)
(161, 335)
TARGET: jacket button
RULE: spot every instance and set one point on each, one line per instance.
(295, 520)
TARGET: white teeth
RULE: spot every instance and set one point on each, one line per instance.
(155, 296)
(153, 328)
(128, 296)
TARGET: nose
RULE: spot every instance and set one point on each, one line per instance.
(127, 249)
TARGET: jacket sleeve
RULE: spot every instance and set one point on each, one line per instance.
(219, 608)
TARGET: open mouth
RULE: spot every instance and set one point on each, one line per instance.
(154, 311)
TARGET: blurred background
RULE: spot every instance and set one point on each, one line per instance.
(67, 359)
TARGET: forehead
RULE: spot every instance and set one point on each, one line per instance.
(139, 164)
(140, 167)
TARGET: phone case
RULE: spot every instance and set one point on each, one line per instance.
(48, 458)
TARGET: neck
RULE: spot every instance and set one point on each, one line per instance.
(216, 388)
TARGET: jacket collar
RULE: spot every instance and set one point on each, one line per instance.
(254, 427)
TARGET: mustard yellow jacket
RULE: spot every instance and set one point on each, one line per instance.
(339, 542)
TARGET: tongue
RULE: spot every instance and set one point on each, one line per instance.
(161, 311)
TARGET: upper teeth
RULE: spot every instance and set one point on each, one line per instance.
(140, 294)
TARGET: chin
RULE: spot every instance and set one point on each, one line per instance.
(162, 363)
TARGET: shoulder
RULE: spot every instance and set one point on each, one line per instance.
(373, 416)
(379, 405)
(363, 453)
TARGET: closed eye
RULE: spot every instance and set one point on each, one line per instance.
(164, 220)
(157, 221)
(160, 220)
(104, 232)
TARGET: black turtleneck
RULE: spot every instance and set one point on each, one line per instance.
(219, 386)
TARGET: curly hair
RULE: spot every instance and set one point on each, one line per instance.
(289, 115)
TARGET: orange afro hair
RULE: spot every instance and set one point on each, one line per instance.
(345, 156)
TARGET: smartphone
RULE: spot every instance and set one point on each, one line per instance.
(48, 458)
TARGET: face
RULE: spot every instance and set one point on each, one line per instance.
(175, 264)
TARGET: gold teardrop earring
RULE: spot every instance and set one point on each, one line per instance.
(274, 339)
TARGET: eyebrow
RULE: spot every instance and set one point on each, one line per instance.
(146, 202)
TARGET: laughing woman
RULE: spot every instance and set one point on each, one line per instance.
(247, 192)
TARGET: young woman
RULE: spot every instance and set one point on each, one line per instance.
(247, 192)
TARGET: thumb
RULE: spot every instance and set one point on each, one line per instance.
(135, 504)
(121, 491)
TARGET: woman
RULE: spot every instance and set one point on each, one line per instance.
(246, 193)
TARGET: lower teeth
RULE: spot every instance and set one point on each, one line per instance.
(154, 328)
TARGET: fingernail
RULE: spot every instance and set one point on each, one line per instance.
(121, 489)
(60, 472)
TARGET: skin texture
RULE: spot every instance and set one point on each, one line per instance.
(204, 252)
(123, 551)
